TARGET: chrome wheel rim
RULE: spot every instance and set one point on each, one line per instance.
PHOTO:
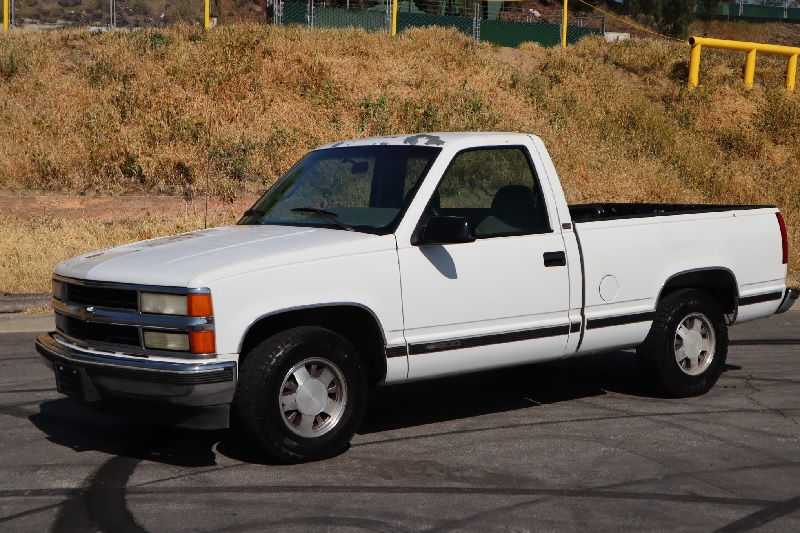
(695, 344)
(312, 397)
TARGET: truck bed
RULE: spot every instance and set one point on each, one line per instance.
(610, 211)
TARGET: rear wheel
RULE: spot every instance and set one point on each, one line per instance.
(301, 394)
(686, 349)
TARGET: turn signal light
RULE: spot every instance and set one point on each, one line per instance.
(202, 342)
(199, 305)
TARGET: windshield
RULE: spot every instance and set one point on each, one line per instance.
(361, 188)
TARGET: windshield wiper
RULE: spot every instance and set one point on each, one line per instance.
(330, 215)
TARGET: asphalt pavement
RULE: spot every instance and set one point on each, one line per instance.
(580, 445)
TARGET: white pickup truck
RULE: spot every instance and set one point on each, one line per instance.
(386, 260)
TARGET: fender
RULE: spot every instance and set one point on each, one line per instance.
(309, 307)
(732, 315)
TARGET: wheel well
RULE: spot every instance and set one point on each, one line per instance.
(719, 282)
(356, 324)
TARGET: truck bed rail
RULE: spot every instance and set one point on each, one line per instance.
(610, 211)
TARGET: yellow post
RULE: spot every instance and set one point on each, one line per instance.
(394, 17)
(694, 65)
(791, 73)
(6, 15)
(750, 68)
(564, 22)
(207, 14)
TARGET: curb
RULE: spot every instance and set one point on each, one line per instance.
(26, 323)
(15, 303)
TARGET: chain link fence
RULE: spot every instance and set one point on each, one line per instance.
(236, 11)
(144, 13)
(371, 15)
(754, 10)
(60, 13)
(503, 23)
(513, 23)
(458, 14)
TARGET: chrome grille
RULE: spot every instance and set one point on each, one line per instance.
(105, 316)
(101, 296)
(107, 333)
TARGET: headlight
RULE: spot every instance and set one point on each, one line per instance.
(163, 304)
(58, 290)
(166, 341)
(195, 304)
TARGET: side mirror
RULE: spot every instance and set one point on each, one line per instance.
(444, 230)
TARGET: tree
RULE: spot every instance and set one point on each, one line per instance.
(671, 16)
(676, 15)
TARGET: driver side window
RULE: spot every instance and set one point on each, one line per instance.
(496, 190)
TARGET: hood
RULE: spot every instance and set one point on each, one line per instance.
(197, 258)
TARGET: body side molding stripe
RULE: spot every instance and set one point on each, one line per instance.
(485, 340)
(396, 351)
(760, 298)
(595, 323)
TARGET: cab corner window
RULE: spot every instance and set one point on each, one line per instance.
(496, 190)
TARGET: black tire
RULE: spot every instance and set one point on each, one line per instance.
(657, 353)
(260, 379)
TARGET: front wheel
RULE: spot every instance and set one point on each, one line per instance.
(687, 346)
(301, 394)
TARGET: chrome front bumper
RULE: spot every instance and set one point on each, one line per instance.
(788, 301)
(90, 377)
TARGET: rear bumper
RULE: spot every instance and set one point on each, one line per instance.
(92, 377)
(788, 301)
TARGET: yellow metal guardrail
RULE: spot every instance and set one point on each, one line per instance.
(752, 50)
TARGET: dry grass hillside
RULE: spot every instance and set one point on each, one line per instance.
(161, 111)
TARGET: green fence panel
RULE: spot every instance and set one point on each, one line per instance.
(763, 12)
(513, 34)
(794, 13)
(295, 12)
(413, 20)
(334, 17)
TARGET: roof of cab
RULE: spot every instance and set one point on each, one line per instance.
(434, 139)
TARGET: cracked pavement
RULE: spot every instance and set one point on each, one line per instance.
(569, 446)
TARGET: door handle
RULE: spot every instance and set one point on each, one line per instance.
(555, 259)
